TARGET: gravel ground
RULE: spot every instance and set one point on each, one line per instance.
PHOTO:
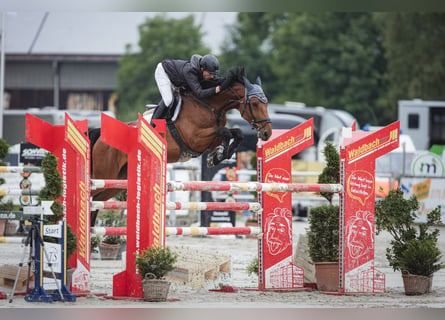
(241, 251)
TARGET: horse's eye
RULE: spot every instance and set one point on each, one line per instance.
(255, 104)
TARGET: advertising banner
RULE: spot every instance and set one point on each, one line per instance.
(357, 220)
(430, 191)
(146, 194)
(274, 166)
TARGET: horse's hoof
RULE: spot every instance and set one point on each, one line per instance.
(210, 163)
(219, 152)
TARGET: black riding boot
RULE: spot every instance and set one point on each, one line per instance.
(159, 112)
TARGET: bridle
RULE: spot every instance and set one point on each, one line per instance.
(247, 105)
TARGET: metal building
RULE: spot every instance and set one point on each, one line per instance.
(63, 81)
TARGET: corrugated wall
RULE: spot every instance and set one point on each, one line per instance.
(73, 75)
(80, 76)
(37, 75)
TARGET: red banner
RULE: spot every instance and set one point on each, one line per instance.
(70, 145)
(146, 194)
(357, 229)
(275, 247)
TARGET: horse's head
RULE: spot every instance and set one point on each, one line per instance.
(253, 107)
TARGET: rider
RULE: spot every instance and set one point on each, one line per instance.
(172, 75)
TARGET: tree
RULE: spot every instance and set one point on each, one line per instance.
(160, 38)
(249, 46)
(331, 59)
(414, 44)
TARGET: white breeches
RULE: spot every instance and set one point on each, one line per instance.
(164, 85)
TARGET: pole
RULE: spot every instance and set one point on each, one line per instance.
(2, 71)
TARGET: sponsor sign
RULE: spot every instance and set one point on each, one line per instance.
(428, 164)
(31, 154)
(430, 192)
(52, 257)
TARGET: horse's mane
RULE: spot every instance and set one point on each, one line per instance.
(237, 74)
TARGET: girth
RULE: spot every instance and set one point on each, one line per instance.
(186, 152)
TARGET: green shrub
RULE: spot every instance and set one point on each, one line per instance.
(420, 257)
(323, 233)
(252, 268)
(413, 246)
(156, 260)
(324, 220)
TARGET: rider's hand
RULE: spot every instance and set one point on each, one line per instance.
(217, 89)
(225, 84)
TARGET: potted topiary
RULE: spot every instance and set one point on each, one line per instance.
(53, 191)
(323, 227)
(110, 245)
(94, 242)
(8, 206)
(252, 267)
(414, 247)
(153, 263)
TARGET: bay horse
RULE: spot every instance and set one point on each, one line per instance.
(200, 126)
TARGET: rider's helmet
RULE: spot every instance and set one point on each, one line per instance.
(210, 64)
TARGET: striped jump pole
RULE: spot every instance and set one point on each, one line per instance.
(19, 169)
(253, 206)
(14, 240)
(108, 184)
(252, 186)
(108, 205)
(187, 231)
(117, 205)
(19, 192)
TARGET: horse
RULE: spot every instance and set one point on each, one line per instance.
(199, 126)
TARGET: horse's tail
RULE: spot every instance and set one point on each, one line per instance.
(93, 135)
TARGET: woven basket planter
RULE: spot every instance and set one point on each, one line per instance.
(415, 284)
(108, 251)
(155, 290)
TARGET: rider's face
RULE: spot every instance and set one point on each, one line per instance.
(207, 75)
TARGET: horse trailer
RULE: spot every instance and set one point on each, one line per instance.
(423, 121)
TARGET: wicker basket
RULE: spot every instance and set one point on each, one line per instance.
(108, 251)
(415, 284)
(155, 290)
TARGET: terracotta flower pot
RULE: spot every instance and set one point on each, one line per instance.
(327, 276)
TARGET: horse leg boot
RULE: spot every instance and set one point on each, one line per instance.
(238, 137)
(221, 151)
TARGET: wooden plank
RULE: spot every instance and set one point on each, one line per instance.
(8, 273)
(303, 259)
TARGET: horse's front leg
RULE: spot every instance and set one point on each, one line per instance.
(219, 153)
(237, 136)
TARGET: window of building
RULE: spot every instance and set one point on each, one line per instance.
(413, 121)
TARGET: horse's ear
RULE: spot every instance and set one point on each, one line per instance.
(258, 81)
(247, 83)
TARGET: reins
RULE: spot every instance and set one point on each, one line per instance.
(218, 114)
(243, 101)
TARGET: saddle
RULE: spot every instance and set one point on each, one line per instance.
(160, 111)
